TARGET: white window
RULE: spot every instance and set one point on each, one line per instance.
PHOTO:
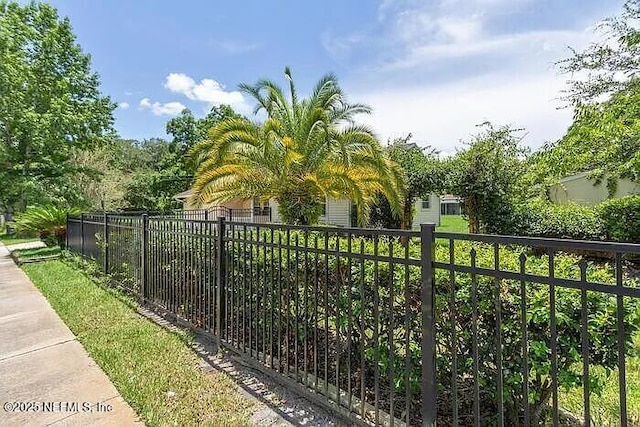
(323, 208)
(426, 204)
(259, 208)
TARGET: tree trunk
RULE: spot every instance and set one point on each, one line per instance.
(406, 221)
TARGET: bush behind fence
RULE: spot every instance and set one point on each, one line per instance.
(341, 314)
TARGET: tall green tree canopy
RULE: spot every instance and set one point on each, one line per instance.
(186, 130)
(307, 149)
(487, 176)
(604, 139)
(168, 169)
(50, 103)
(605, 92)
(606, 67)
(423, 174)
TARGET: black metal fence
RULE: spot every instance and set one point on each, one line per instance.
(387, 326)
(258, 215)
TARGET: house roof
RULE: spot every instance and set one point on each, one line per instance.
(183, 195)
(575, 177)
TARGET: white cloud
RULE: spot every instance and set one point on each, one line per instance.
(439, 68)
(443, 115)
(542, 47)
(208, 90)
(123, 105)
(159, 109)
(341, 47)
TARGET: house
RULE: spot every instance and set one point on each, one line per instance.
(450, 205)
(583, 190)
(335, 211)
(426, 211)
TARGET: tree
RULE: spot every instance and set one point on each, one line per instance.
(168, 169)
(487, 176)
(604, 137)
(610, 65)
(306, 149)
(187, 130)
(50, 104)
(160, 175)
(423, 175)
(105, 173)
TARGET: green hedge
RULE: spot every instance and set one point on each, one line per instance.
(321, 294)
(290, 298)
(562, 221)
(616, 220)
(621, 219)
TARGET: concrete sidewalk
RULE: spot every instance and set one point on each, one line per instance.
(46, 376)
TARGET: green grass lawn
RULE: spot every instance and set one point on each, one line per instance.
(12, 240)
(36, 253)
(453, 224)
(144, 360)
(605, 406)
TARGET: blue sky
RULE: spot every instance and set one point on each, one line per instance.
(434, 68)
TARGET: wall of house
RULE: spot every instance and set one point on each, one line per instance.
(186, 206)
(275, 215)
(424, 216)
(338, 212)
(581, 190)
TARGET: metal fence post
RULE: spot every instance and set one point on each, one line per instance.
(220, 277)
(427, 294)
(144, 239)
(66, 232)
(82, 234)
(106, 243)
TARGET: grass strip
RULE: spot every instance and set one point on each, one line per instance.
(153, 368)
(12, 240)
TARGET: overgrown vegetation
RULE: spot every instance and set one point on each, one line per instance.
(154, 369)
(422, 174)
(314, 294)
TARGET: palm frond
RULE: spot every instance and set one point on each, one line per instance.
(303, 147)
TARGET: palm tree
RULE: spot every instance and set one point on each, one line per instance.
(305, 150)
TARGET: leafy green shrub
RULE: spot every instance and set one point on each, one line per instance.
(300, 207)
(614, 219)
(317, 294)
(621, 218)
(49, 221)
(337, 314)
(570, 221)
